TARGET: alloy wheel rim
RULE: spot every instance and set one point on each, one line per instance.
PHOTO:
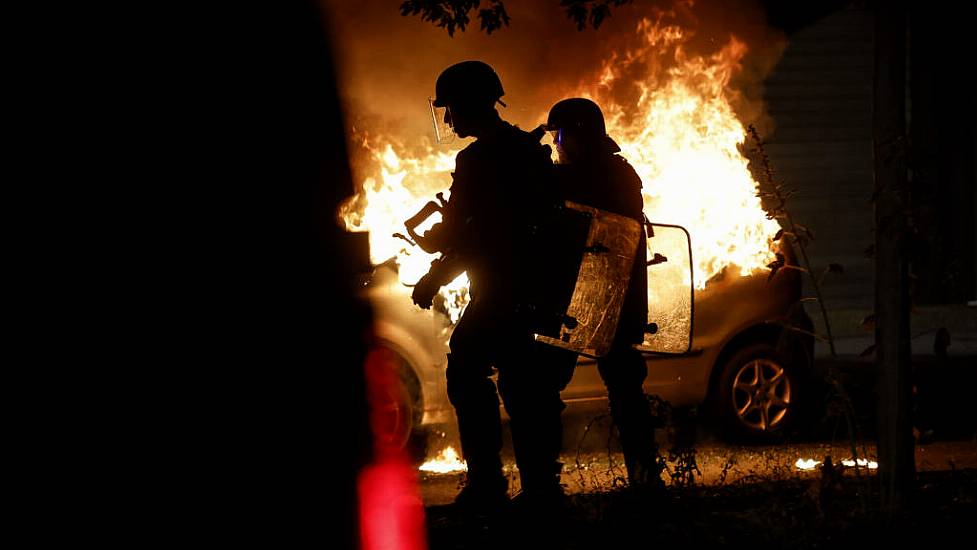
(761, 394)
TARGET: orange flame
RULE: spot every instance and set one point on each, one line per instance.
(811, 464)
(446, 462)
(404, 186)
(683, 138)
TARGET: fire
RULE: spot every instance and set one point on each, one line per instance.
(862, 463)
(806, 464)
(405, 184)
(683, 139)
(446, 462)
(681, 135)
(811, 464)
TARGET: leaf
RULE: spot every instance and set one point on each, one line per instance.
(493, 18)
(780, 233)
(867, 351)
(578, 14)
(836, 268)
(775, 266)
(598, 14)
(869, 251)
(805, 231)
(593, 11)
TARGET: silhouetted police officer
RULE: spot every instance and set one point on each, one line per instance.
(590, 172)
(502, 185)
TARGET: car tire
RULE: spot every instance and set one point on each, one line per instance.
(401, 412)
(757, 394)
(415, 443)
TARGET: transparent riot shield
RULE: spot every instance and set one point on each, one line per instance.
(590, 321)
(671, 297)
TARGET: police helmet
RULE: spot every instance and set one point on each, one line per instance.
(467, 82)
(584, 119)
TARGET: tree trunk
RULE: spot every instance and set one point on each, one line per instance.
(895, 439)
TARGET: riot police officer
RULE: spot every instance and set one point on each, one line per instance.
(502, 183)
(591, 172)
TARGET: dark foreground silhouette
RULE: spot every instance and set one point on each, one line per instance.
(827, 512)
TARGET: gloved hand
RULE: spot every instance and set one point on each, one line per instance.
(425, 290)
(434, 239)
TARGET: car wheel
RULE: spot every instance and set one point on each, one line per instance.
(400, 410)
(757, 393)
(394, 416)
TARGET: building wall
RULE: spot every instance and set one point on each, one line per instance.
(820, 98)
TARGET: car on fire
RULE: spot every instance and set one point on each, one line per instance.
(746, 357)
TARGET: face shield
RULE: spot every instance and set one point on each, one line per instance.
(558, 141)
(443, 131)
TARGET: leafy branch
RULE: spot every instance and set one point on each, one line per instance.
(452, 15)
(799, 234)
(593, 12)
(802, 236)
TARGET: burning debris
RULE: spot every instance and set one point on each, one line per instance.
(809, 464)
(446, 462)
(805, 464)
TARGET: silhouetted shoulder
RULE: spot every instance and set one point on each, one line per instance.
(470, 161)
(468, 153)
(620, 163)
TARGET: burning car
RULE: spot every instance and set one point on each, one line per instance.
(744, 354)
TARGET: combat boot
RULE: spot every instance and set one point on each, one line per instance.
(484, 496)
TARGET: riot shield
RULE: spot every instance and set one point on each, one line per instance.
(590, 320)
(671, 297)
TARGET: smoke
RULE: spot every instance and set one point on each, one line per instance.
(388, 63)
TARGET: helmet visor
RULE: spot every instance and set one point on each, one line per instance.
(443, 131)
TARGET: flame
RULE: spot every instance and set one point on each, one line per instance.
(446, 462)
(405, 184)
(862, 463)
(683, 138)
(806, 464)
(811, 464)
(681, 135)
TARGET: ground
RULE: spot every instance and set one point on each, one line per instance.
(755, 495)
(745, 495)
(796, 513)
(739, 495)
